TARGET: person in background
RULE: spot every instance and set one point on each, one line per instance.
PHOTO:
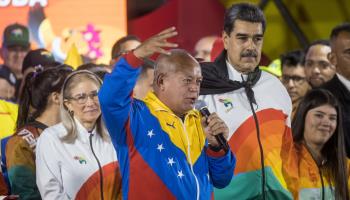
(7, 84)
(75, 159)
(293, 76)
(321, 169)
(144, 83)
(99, 69)
(34, 59)
(318, 68)
(161, 138)
(339, 85)
(14, 47)
(253, 103)
(122, 46)
(203, 47)
(38, 109)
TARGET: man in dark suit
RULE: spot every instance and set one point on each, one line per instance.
(340, 84)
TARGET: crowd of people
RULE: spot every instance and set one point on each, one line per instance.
(130, 130)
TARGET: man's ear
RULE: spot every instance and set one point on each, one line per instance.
(332, 58)
(159, 81)
(225, 39)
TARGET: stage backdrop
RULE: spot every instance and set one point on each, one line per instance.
(56, 24)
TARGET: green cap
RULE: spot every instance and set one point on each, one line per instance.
(16, 35)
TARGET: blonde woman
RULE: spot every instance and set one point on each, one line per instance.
(76, 159)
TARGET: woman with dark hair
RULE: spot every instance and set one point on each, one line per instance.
(322, 166)
(75, 159)
(38, 109)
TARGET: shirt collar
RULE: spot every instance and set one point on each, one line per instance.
(233, 74)
(345, 81)
(158, 105)
(82, 133)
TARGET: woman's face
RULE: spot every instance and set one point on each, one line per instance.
(320, 124)
(83, 101)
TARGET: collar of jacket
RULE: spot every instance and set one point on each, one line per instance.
(158, 105)
(83, 134)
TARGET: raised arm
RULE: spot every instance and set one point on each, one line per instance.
(116, 92)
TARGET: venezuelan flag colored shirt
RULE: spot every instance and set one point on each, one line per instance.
(8, 118)
(161, 156)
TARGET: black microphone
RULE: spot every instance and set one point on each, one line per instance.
(203, 109)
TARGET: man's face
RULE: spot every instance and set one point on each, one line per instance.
(181, 89)
(13, 58)
(203, 48)
(341, 51)
(318, 68)
(244, 45)
(293, 78)
(144, 84)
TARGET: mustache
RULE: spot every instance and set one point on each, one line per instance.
(249, 53)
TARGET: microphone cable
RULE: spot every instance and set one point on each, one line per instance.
(99, 167)
(250, 95)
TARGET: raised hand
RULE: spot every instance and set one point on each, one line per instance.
(156, 44)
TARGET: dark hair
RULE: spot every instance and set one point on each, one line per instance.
(36, 90)
(116, 49)
(345, 27)
(292, 58)
(334, 148)
(245, 12)
(316, 42)
(99, 69)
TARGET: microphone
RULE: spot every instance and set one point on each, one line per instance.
(203, 109)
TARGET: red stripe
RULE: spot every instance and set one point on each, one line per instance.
(132, 60)
(144, 183)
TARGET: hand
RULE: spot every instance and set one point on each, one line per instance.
(156, 44)
(213, 126)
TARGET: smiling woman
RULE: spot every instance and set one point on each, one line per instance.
(322, 171)
(76, 157)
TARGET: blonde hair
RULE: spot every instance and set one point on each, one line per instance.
(67, 119)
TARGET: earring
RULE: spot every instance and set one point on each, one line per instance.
(71, 112)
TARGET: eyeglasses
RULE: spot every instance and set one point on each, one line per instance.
(83, 97)
(296, 79)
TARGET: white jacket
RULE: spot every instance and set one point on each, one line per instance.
(65, 170)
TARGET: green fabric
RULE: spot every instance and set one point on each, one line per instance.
(248, 186)
(23, 183)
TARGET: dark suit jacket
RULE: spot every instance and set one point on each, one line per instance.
(338, 89)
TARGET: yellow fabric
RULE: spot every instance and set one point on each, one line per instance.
(73, 57)
(8, 117)
(180, 133)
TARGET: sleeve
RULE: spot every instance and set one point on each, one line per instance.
(221, 167)
(115, 95)
(48, 173)
(21, 168)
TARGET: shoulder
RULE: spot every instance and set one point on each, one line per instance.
(26, 136)
(54, 132)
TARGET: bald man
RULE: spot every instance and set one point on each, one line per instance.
(161, 143)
